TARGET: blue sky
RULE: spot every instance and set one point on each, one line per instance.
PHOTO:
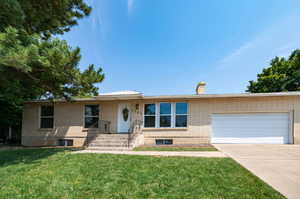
(167, 46)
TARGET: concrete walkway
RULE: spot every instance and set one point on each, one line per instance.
(277, 165)
(207, 154)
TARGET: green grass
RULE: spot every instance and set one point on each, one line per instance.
(144, 148)
(56, 173)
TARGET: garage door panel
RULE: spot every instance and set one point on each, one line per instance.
(249, 140)
(250, 128)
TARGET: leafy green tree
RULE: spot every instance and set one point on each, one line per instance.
(44, 17)
(11, 14)
(43, 66)
(32, 68)
(282, 75)
(34, 65)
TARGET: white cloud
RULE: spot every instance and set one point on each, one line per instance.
(96, 19)
(242, 64)
(285, 51)
(279, 39)
(130, 4)
(236, 53)
(96, 16)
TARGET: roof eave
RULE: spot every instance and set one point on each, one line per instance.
(200, 96)
(119, 97)
(277, 94)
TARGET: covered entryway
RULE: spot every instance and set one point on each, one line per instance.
(124, 118)
(251, 128)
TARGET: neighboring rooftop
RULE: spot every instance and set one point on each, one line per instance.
(125, 92)
(119, 95)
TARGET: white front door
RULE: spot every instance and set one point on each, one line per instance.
(251, 128)
(124, 118)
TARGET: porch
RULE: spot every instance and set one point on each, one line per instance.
(103, 137)
(111, 117)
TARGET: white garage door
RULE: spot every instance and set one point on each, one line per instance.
(256, 128)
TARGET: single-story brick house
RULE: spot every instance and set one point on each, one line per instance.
(193, 120)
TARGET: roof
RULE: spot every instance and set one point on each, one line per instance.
(134, 95)
(230, 95)
(120, 95)
(125, 92)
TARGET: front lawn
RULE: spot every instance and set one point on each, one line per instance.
(56, 173)
(146, 148)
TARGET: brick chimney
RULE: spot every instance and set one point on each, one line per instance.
(200, 88)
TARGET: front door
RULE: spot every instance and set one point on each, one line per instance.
(124, 117)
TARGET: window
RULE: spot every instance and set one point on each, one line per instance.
(65, 142)
(91, 116)
(149, 115)
(163, 142)
(165, 114)
(169, 115)
(181, 115)
(47, 117)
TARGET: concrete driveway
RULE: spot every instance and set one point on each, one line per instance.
(277, 165)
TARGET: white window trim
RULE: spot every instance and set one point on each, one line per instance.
(41, 117)
(187, 115)
(86, 116)
(173, 115)
(155, 115)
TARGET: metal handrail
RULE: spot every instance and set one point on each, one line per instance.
(104, 126)
(135, 125)
(135, 129)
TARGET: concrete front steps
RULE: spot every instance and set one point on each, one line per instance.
(109, 142)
